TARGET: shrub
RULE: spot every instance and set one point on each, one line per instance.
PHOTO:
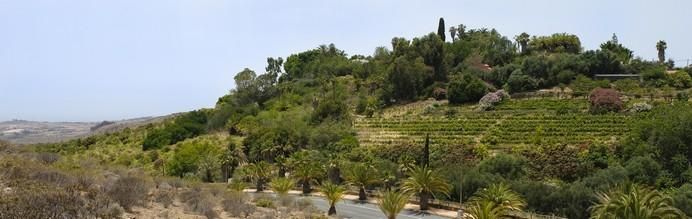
(680, 79)
(129, 191)
(466, 88)
(439, 93)
(42, 203)
(490, 100)
(605, 100)
(643, 170)
(520, 82)
(198, 201)
(682, 96)
(264, 203)
(505, 165)
(235, 205)
(682, 198)
(47, 158)
(641, 107)
(165, 197)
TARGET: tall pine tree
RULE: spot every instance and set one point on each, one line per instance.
(441, 29)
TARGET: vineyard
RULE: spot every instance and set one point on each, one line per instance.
(528, 121)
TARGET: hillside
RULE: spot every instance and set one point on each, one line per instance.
(32, 132)
(516, 122)
(480, 115)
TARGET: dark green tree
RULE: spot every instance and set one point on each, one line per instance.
(441, 29)
(465, 88)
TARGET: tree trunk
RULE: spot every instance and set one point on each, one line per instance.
(306, 188)
(424, 196)
(334, 175)
(282, 172)
(332, 210)
(260, 186)
(208, 176)
(361, 194)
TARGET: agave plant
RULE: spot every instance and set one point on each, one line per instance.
(425, 182)
(392, 202)
(633, 201)
(334, 193)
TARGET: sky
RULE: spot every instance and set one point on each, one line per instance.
(93, 60)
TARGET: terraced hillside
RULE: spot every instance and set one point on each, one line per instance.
(527, 121)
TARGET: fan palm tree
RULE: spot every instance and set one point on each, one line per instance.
(661, 46)
(425, 182)
(282, 185)
(501, 195)
(361, 175)
(334, 193)
(523, 41)
(392, 202)
(634, 202)
(259, 173)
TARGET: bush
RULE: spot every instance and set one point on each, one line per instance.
(605, 100)
(42, 203)
(235, 205)
(682, 198)
(490, 100)
(505, 165)
(198, 201)
(264, 203)
(466, 88)
(641, 107)
(129, 191)
(520, 82)
(165, 197)
(644, 170)
(682, 96)
(47, 158)
(680, 79)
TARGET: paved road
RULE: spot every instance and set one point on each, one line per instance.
(355, 210)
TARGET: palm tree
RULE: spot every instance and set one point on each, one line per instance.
(661, 46)
(306, 168)
(485, 210)
(361, 175)
(501, 195)
(282, 185)
(259, 173)
(635, 202)
(523, 42)
(334, 193)
(393, 202)
(425, 182)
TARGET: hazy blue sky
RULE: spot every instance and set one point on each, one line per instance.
(89, 60)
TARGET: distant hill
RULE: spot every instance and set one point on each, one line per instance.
(30, 132)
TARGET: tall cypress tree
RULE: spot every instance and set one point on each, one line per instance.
(441, 29)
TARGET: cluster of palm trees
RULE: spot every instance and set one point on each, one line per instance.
(635, 202)
(495, 201)
(425, 182)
